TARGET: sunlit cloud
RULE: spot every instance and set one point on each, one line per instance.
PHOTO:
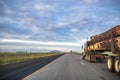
(38, 42)
(44, 7)
(39, 45)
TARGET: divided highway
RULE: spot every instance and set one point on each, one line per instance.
(72, 67)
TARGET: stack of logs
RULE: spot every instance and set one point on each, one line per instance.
(103, 41)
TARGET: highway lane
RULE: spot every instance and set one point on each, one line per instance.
(72, 67)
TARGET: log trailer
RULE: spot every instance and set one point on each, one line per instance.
(107, 42)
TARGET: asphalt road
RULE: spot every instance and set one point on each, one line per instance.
(72, 67)
(17, 71)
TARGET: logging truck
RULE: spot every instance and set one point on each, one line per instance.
(107, 42)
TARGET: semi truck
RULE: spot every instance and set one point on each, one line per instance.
(105, 46)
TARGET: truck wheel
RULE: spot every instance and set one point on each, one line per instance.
(117, 65)
(110, 64)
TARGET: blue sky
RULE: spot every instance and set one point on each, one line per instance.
(45, 25)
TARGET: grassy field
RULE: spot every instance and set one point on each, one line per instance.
(6, 58)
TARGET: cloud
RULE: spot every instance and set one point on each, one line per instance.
(90, 1)
(38, 42)
(5, 10)
(74, 18)
(74, 30)
(43, 7)
(6, 19)
(38, 45)
(24, 24)
(37, 7)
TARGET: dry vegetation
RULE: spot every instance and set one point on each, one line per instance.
(6, 57)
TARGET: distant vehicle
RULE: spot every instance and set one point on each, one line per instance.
(107, 42)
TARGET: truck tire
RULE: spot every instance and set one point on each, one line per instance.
(110, 64)
(117, 65)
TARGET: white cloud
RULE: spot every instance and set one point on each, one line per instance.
(41, 45)
(5, 9)
(90, 1)
(38, 42)
(74, 30)
(37, 6)
(61, 24)
(64, 21)
(43, 7)
(6, 19)
(26, 22)
(9, 11)
(8, 35)
(26, 36)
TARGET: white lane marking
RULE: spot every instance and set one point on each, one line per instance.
(82, 63)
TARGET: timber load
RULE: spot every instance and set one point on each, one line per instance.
(105, 35)
(102, 42)
(104, 45)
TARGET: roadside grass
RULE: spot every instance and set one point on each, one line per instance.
(6, 58)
